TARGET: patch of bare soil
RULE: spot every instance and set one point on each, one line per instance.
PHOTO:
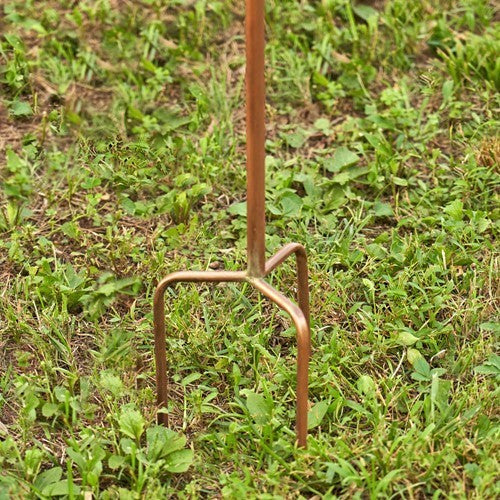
(12, 131)
(376, 4)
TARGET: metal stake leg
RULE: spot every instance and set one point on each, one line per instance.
(159, 323)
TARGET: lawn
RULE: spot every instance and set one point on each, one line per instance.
(122, 158)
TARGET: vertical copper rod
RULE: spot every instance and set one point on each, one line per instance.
(256, 135)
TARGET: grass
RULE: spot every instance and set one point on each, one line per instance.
(122, 137)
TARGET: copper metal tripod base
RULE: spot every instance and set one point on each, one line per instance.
(299, 315)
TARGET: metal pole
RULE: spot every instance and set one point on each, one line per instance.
(258, 268)
(256, 136)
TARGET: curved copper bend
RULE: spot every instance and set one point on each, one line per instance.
(299, 315)
(257, 267)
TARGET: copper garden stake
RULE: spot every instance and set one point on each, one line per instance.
(258, 267)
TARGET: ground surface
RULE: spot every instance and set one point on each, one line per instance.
(122, 159)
